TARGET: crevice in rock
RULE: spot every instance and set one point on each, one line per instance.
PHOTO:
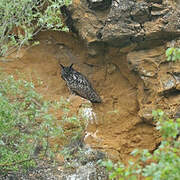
(68, 19)
(170, 92)
(157, 146)
(99, 5)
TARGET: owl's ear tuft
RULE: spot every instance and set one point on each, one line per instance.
(71, 65)
(61, 66)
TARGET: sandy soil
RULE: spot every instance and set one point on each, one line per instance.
(117, 128)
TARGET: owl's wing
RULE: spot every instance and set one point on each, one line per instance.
(81, 79)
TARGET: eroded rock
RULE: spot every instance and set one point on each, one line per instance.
(161, 81)
(140, 12)
(125, 22)
(146, 62)
(167, 83)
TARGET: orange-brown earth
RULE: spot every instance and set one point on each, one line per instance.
(117, 128)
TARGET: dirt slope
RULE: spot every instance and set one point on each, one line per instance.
(117, 128)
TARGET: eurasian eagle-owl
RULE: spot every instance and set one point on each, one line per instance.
(79, 84)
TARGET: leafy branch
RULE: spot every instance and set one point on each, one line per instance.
(21, 20)
(173, 54)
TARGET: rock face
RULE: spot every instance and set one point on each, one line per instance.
(160, 81)
(120, 23)
(143, 30)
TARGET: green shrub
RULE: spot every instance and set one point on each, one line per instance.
(173, 54)
(165, 160)
(20, 20)
(25, 125)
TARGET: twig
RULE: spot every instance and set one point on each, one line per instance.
(47, 139)
(36, 102)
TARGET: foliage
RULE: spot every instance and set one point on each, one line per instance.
(119, 171)
(25, 125)
(20, 20)
(173, 54)
(163, 164)
(73, 127)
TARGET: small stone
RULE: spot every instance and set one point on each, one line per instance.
(156, 7)
(146, 114)
(168, 83)
(159, 13)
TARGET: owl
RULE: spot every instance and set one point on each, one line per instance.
(79, 84)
